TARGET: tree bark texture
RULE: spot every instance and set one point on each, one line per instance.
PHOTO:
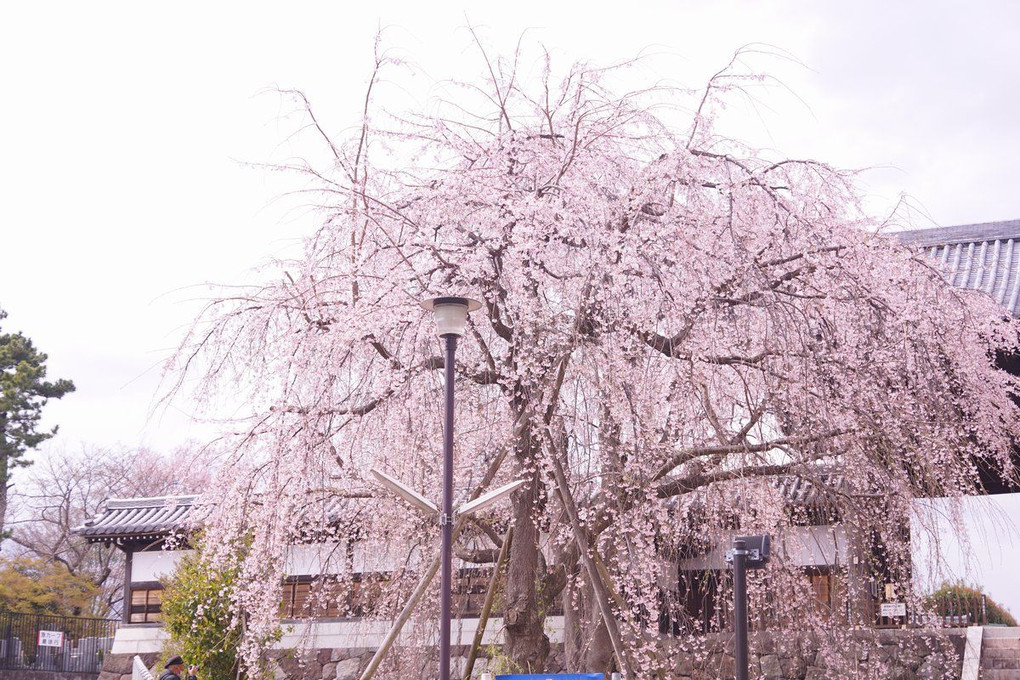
(527, 645)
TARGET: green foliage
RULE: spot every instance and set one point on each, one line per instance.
(23, 393)
(955, 599)
(196, 612)
(30, 585)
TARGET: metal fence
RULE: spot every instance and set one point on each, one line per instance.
(54, 643)
(948, 612)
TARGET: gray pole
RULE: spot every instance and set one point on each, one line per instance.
(446, 515)
(740, 607)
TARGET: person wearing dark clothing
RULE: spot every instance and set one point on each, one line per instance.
(175, 670)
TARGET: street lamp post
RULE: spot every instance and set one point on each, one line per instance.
(451, 315)
(749, 552)
(740, 607)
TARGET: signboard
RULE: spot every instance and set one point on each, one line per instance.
(50, 638)
(890, 609)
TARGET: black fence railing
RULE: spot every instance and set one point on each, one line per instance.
(54, 643)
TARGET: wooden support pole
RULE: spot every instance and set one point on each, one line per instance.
(423, 585)
(490, 596)
(598, 585)
(405, 614)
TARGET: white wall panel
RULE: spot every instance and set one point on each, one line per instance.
(154, 565)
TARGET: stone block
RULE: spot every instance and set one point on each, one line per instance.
(118, 664)
(934, 668)
(770, 668)
(816, 673)
(348, 669)
(793, 666)
(726, 666)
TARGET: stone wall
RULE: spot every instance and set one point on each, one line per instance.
(885, 654)
(118, 666)
(889, 655)
(26, 674)
(347, 664)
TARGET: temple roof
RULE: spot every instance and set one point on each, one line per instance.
(815, 493)
(137, 518)
(976, 257)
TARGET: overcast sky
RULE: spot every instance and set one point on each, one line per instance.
(126, 130)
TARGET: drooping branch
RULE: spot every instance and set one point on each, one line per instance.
(676, 487)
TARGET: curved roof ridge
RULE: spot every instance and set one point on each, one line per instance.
(961, 233)
(150, 502)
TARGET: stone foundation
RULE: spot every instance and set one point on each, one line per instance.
(885, 654)
(27, 674)
(118, 666)
(892, 655)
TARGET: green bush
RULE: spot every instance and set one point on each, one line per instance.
(197, 615)
(955, 599)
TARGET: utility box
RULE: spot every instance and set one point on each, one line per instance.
(757, 548)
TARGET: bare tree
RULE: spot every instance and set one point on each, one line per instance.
(64, 489)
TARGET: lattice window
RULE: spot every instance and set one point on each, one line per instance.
(146, 604)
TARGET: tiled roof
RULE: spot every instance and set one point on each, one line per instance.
(813, 493)
(153, 518)
(137, 518)
(976, 257)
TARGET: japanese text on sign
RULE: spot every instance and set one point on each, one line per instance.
(51, 638)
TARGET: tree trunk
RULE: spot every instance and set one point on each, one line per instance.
(586, 644)
(527, 645)
(577, 614)
(4, 488)
(599, 655)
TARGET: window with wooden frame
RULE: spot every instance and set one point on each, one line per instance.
(294, 598)
(309, 597)
(146, 603)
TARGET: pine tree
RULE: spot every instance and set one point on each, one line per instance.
(24, 391)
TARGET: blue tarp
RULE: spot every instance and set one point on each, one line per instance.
(554, 676)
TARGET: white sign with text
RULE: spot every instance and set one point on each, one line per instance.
(51, 638)
(888, 609)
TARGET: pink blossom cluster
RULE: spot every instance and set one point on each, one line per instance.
(673, 321)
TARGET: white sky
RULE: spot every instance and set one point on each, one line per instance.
(123, 126)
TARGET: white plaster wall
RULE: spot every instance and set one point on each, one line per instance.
(385, 555)
(817, 546)
(823, 546)
(316, 558)
(345, 634)
(139, 639)
(335, 634)
(152, 566)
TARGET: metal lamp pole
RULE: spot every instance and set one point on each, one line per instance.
(451, 319)
(749, 552)
(740, 606)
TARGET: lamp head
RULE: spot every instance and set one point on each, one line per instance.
(451, 313)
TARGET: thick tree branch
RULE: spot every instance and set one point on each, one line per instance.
(699, 451)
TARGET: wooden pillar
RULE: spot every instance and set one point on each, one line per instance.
(127, 548)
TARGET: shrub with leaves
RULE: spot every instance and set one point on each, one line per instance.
(31, 585)
(198, 616)
(957, 600)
